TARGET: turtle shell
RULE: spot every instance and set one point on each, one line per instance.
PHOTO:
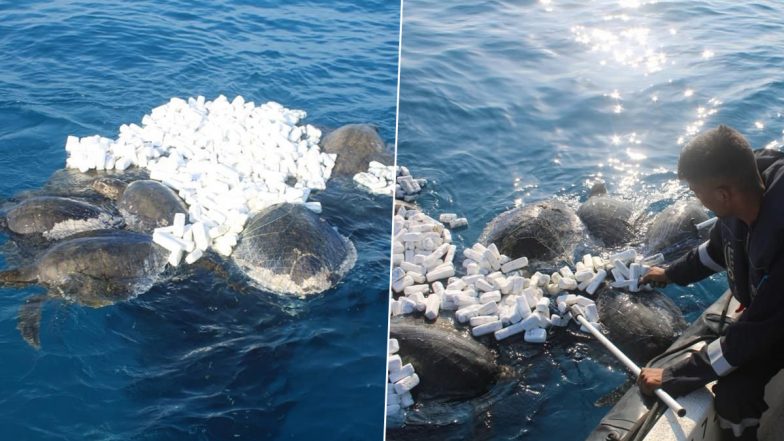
(545, 230)
(356, 145)
(608, 219)
(286, 248)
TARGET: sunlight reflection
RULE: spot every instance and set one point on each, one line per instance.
(621, 17)
(635, 155)
(630, 180)
(703, 113)
(673, 189)
(629, 47)
(615, 95)
(626, 161)
(634, 4)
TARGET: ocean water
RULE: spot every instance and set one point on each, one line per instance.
(508, 102)
(199, 357)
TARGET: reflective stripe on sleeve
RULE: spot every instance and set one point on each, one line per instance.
(719, 364)
(706, 259)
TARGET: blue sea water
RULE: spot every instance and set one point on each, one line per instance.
(507, 102)
(198, 357)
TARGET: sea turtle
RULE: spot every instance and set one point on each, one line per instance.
(460, 380)
(145, 204)
(607, 218)
(286, 248)
(544, 230)
(450, 365)
(356, 145)
(56, 217)
(69, 182)
(674, 231)
(641, 324)
(93, 269)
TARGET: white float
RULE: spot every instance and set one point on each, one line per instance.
(226, 159)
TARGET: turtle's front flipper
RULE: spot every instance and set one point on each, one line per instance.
(612, 397)
(18, 276)
(220, 268)
(29, 324)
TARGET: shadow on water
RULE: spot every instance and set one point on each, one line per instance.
(218, 353)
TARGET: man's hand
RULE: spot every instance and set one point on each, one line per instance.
(656, 276)
(650, 379)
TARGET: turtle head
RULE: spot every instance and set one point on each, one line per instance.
(598, 188)
(111, 188)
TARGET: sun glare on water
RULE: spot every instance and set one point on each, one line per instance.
(630, 47)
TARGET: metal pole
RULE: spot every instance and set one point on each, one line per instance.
(577, 313)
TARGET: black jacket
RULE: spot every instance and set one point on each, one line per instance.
(754, 261)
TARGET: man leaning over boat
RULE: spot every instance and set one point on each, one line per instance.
(745, 189)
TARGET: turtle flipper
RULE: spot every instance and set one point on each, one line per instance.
(612, 397)
(16, 276)
(29, 324)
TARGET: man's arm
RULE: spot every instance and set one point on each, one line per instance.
(696, 265)
(701, 262)
(757, 333)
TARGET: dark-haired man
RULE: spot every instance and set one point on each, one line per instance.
(745, 189)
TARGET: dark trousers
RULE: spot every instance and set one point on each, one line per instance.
(740, 396)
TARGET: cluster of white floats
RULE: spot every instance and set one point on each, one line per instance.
(226, 159)
(379, 179)
(192, 240)
(401, 378)
(407, 187)
(390, 180)
(493, 296)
